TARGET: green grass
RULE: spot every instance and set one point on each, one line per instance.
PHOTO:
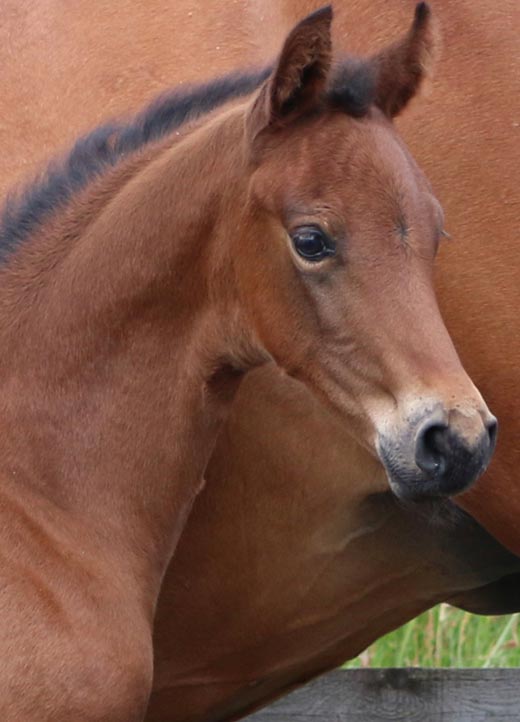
(447, 637)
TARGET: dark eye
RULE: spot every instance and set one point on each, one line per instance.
(312, 243)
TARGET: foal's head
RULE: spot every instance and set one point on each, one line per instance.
(335, 256)
(293, 225)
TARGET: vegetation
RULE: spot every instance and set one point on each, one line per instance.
(447, 637)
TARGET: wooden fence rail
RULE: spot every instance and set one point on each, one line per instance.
(406, 695)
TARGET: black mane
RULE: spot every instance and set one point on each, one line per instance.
(351, 92)
(102, 148)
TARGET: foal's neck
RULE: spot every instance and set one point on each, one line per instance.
(116, 369)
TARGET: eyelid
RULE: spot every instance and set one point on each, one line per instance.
(321, 215)
(316, 227)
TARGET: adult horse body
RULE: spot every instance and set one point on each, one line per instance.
(144, 277)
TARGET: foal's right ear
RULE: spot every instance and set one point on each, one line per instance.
(298, 82)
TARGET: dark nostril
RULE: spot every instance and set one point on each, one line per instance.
(492, 429)
(431, 449)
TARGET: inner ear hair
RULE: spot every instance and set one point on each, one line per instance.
(300, 77)
(304, 64)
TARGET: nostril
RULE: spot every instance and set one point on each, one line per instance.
(431, 449)
(492, 429)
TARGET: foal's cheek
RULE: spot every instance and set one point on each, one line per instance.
(271, 291)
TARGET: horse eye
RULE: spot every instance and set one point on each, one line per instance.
(312, 243)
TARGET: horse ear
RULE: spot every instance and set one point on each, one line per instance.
(401, 68)
(298, 82)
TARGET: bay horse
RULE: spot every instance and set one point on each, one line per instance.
(77, 70)
(274, 602)
(144, 276)
(434, 577)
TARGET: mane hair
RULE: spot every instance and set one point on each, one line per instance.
(351, 91)
(102, 148)
(353, 87)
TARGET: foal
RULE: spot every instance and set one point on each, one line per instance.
(143, 278)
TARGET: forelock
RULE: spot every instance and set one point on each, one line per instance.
(353, 87)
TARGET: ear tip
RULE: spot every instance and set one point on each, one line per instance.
(328, 11)
(323, 14)
(423, 13)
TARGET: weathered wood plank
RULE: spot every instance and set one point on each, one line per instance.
(407, 695)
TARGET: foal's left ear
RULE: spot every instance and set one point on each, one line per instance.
(401, 68)
(298, 82)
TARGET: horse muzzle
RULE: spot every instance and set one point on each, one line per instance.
(440, 454)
